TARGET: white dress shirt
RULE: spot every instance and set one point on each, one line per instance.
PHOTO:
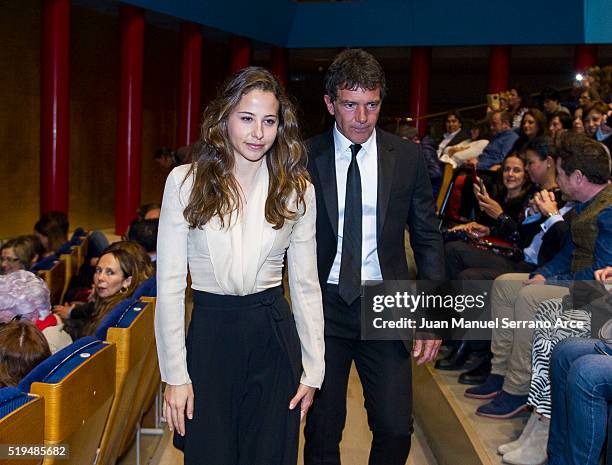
(367, 160)
(446, 140)
(244, 258)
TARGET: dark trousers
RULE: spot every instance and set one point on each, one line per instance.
(243, 357)
(466, 262)
(385, 373)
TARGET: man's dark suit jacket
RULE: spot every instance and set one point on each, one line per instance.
(403, 198)
(459, 137)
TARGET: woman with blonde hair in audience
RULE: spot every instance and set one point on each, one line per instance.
(20, 254)
(22, 348)
(232, 216)
(122, 267)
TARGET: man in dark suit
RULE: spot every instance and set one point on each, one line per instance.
(369, 185)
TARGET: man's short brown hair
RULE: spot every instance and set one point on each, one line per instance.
(580, 152)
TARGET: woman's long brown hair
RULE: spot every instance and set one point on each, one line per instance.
(215, 190)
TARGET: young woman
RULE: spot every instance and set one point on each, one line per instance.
(236, 388)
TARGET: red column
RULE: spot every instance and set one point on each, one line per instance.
(420, 64)
(279, 64)
(55, 105)
(190, 84)
(499, 68)
(129, 118)
(585, 56)
(241, 53)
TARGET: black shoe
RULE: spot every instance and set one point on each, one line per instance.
(477, 375)
(456, 360)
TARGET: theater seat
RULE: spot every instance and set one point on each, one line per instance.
(145, 392)
(22, 420)
(148, 288)
(132, 334)
(78, 385)
(56, 280)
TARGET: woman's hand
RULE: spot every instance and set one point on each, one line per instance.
(463, 227)
(604, 276)
(304, 397)
(545, 202)
(476, 230)
(489, 206)
(178, 401)
(63, 310)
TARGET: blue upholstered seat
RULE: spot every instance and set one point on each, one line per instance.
(45, 264)
(147, 288)
(113, 317)
(11, 398)
(62, 363)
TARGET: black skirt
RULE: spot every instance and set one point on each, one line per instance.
(244, 359)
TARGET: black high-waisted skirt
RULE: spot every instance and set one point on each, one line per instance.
(244, 359)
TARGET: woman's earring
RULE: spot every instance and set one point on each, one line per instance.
(123, 290)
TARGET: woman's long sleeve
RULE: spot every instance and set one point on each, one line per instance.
(171, 282)
(306, 300)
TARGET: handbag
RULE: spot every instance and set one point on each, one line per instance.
(497, 246)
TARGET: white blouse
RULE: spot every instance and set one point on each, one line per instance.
(243, 259)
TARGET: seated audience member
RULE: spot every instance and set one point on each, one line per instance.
(454, 131)
(165, 157)
(537, 237)
(517, 105)
(558, 123)
(52, 231)
(581, 381)
(22, 348)
(429, 150)
(577, 124)
(587, 97)
(574, 311)
(25, 295)
(144, 232)
(470, 148)
(593, 116)
(149, 211)
(501, 143)
(20, 253)
(122, 267)
(533, 125)
(551, 101)
(582, 175)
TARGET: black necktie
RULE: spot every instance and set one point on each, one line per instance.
(349, 284)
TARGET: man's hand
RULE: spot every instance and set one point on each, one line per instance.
(426, 350)
(304, 396)
(536, 279)
(545, 202)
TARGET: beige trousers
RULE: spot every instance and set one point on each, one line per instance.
(511, 347)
